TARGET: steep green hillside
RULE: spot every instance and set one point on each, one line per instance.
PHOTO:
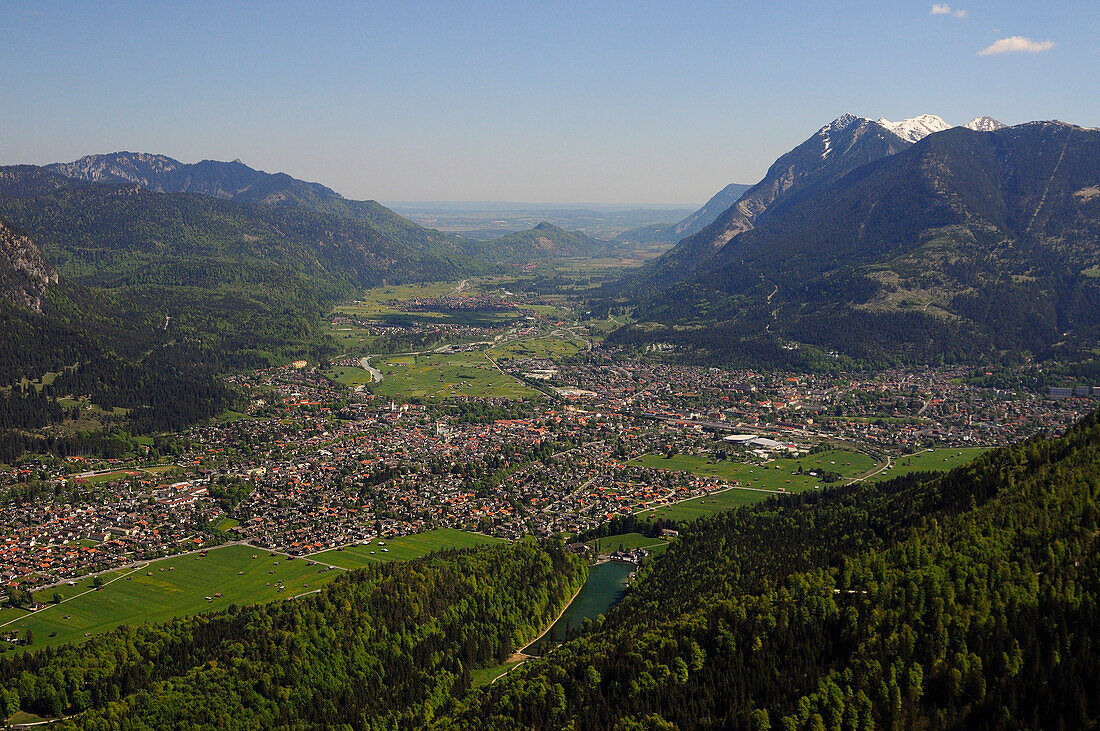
(968, 600)
(249, 280)
(389, 646)
(159, 293)
(94, 348)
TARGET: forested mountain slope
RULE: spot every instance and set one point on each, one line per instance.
(247, 279)
(389, 646)
(237, 181)
(967, 245)
(836, 149)
(92, 347)
(968, 600)
(159, 293)
(697, 221)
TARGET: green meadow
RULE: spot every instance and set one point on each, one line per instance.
(165, 588)
(628, 541)
(936, 460)
(403, 548)
(779, 475)
(445, 375)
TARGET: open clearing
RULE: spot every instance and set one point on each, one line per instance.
(443, 375)
(150, 594)
(485, 676)
(780, 474)
(938, 460)
(403, 548)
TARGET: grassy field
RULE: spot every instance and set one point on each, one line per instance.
(112, 476)
(779, 474)
(774, 475)
(350, 375)
(229, 416)
(403, 548)
(226, 523)
(937, 460)
(628, 541)
(484, 676)
(689, 510)
(543, 347)
(444, 375)
(150, 594)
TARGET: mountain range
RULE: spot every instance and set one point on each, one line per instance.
(865, 244)
(121, 261)
(671, 233)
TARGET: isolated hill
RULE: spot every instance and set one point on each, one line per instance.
(544, 241)
(671, 233)
(966, 244)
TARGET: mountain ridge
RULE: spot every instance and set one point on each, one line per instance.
(969, 244)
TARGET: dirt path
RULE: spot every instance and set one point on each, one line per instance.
(885, 465)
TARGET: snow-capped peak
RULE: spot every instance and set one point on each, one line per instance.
(984, 123)
(917, 128)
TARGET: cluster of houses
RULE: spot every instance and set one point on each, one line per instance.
(897, 410)
(315, 466)
(86, 528)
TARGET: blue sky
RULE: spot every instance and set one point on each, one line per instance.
(612, 102)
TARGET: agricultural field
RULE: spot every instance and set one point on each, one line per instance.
(443, 375)
(226, 523)
(403, 548)
(350, 375)
(775, 476)
(936, 460)
(109, 477)
(166, 588)
(550, 347)
(699, 507)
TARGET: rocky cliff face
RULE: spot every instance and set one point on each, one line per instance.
(24, 272)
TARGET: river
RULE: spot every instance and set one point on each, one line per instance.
(375, 374)
(605, 586)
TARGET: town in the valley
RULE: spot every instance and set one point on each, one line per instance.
(480, 409)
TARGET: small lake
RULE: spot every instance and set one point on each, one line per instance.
(606, 585)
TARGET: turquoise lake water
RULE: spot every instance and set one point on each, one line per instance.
(606, 585)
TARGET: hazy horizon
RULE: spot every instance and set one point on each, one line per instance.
(613, 103)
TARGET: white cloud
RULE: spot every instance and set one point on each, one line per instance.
(1016, 44)
(945, 9)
